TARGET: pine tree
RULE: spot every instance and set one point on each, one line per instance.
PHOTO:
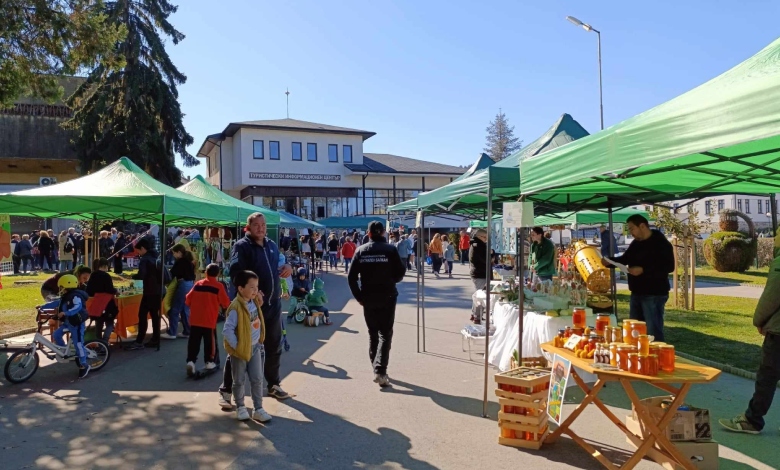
(501, 140)
(42, 40)
(134, 111)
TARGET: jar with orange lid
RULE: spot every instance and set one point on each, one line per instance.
(623, 351)
(578, 317)
(666, 358)
(626, 331)
(613, 353)
(654, 348)
(602, 322)
(643, 343)
(633, 362)
(638, 328)
(567, 332)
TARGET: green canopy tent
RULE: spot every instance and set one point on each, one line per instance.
(120, 191)
(199, 187)
(482, 162)
(287, 220)
(587, 217)
(722, 137)
(501, 180)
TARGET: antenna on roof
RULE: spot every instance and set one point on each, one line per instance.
(288, 102)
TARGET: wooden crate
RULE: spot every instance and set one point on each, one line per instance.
(539, 362)
(539, 434)
(526, 377)
(532, 397)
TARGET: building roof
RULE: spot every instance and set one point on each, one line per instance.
(393, 164)
(294, 125)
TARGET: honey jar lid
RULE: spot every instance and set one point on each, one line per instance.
(666, 346)
(627, 346)
(638, 322)
(633, 354)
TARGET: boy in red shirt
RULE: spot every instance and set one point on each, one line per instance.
(204, 301)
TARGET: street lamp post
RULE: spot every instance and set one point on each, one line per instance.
(588, 27)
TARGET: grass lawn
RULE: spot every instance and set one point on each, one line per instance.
(721, 329)
(752, 276)
(18, 301)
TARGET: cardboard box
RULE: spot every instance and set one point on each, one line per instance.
(693, 425)
(703, 455)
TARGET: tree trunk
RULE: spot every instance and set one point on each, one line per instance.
(686, 260)
(675, 279)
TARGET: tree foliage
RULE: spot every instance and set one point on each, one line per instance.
(42, 40)
(501, 141)
(134, 111)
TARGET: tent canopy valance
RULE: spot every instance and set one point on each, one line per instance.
(287, 220)
(121, 190)
(722, 137)
(469, 195)
(588, 217)
(199, 187)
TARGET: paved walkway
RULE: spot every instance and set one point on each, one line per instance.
(142, 412)
(712, 288)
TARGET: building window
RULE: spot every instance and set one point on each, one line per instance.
(760, 206)
(747, 206)
(257, 149)
(721, 205)
(297, 151)
(273, 149)
(708, 208)
(311, 152)
(739, 205)
(333, 153)
(347, 150)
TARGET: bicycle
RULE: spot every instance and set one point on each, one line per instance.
(23, 364)
(300, 311)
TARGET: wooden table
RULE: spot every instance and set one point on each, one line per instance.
(686, 374)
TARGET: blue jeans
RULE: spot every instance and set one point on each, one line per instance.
(179, 310)
(324, 311)
(66, 265)
(254, 368)
(333, 260)
(76, 336)
(649, 309)
(546, 278)
(346, 263)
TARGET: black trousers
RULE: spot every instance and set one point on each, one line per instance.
(118, 263)
(198, 334)
(766, 381)
(272, 315)
(106, 320)
(380, 318)
(464, 256)
(150, 305)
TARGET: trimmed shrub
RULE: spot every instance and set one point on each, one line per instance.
(730, 251)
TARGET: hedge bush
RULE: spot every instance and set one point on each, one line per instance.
(730, 251)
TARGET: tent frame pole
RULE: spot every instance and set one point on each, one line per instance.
(521, 291)
(612, 272)
(422, 279)
(489, 274)
(417, 262)
(95, 245)
(773, 206)
(163, 233)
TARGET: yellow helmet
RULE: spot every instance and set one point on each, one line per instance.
(67, 281)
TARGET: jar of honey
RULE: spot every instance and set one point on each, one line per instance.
(643, 343)
(655, 348)
(666, 358)
(578, 331)
(578, 317)
(626, 332)
(613, 353)
(644, 365)
(623, 350)
(602, 322)
(637, 328)
(652, 365)
(567, 332)
(633, 362)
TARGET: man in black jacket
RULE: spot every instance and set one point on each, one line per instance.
(650, 259)
(259, 254)
(150, 272)
(379, 268)
(478, 259)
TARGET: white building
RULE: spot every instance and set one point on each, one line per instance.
(755, 207)
(314, 170)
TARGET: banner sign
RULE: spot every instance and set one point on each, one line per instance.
(558, 379)
(293, 176)
(518, 214)
(5, 237)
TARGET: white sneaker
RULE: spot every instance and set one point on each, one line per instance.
(261, 415)
(382, 379)
(190, 368)
(166, 336)
(224, 401)
(242, 414)
(210, 366)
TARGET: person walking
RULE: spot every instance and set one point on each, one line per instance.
(333, 251)
(541, 259)
(259, 254)
(23, 251)
(436, 251)
(45, 251)
(56, 251)
(606, 241)
(650, 259)
(151, 272)
(478, 260)
(376, 269)
(348, 251)
(463, 245)
(766, 319)
(403, 248)
(183, 271)
(449, 257)
(66, 251)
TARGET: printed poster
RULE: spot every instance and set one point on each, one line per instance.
(5, 238)
(558, 380)
(502, 239)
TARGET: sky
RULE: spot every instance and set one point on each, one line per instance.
(429, 76)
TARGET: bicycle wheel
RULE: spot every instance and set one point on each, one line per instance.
(98, 353)
(301, 313)
(21, 366)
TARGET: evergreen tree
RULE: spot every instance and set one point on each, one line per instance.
(501, 140)
(134, 111)
(42, 40)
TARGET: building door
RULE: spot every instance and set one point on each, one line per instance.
(291, 205)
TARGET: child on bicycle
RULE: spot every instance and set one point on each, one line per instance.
(204, 301)
(103, 307)
(244, 332)
(73, 315)
(317, 299)
(300, 289)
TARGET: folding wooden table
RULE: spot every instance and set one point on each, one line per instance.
(686, 374)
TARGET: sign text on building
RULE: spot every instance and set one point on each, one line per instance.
(293, 176)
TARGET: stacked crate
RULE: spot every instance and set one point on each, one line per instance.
(522, 395)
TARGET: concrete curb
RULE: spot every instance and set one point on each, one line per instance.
(724, 367)
(14, 334)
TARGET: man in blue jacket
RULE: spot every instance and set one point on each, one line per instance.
(259, 254)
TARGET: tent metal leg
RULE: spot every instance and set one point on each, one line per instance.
(95, 244)
(416, 261)
(163, 234)
(773, 205)
(613, 283)
(489, 273)
(521, 291)
(422, 279)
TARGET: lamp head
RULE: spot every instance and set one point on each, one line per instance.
(574, 21)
